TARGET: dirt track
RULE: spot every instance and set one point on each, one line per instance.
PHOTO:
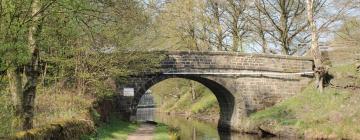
(144, 132)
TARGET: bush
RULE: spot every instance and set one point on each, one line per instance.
(65, 106)
(7, 118)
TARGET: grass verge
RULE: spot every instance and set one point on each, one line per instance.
(161, 132)
(116, 129)
(164, 132)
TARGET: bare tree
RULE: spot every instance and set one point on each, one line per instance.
(216, 13)
(237, 22)
(287, 20)
(259, 26)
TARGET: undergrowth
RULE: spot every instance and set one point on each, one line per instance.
(52, 107)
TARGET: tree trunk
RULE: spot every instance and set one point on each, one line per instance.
(235, 44)
(315, 51)
(219, 33)
(32, 69)
(44, 75)
(193, 93)
(15, 87)
(29, 93)
(261, 32)
(284, 27)
(264, 43)
(235, 34)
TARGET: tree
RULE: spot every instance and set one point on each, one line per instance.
(66, 44)
(315, 50)
(349, 34)
(259, 26)
(237, 22)
(32, 70)
(286, 18)
(216, 14)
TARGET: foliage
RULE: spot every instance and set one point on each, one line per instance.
(7, 117)
(80, 44)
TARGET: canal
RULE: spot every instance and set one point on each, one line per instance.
(191, 129)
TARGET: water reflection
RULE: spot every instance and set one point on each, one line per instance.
(191, 129)
(145, 114)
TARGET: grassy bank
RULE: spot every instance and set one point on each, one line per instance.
(332, 114)
(50, 108)
(164, 132)
(67, 105)
(177, 96)
(161, 132)
(116, 129)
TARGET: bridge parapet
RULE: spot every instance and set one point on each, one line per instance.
(225, 61)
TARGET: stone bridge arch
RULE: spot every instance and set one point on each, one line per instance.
(218, 87)
(242, 83)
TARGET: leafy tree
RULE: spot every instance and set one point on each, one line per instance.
(64, 43)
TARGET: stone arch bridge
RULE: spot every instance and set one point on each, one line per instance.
(242, 83)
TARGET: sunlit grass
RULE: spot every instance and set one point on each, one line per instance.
(333, 113)
(52, 107)
(204, 103)
(114, 130)
(161, 132)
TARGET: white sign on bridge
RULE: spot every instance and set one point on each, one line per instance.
(128, 91)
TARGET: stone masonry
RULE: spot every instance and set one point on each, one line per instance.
(242, 83)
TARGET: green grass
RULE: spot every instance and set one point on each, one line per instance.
(348, 68)
(183, 103)
(114, 130)
(334, 113)
(309, 104)
(49, 108)
(161, 132)
(204, 103)
(53, 107)
(345, 75)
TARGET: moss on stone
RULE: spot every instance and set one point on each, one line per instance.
(64, 130)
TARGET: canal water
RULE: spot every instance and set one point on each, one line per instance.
(190, 129)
